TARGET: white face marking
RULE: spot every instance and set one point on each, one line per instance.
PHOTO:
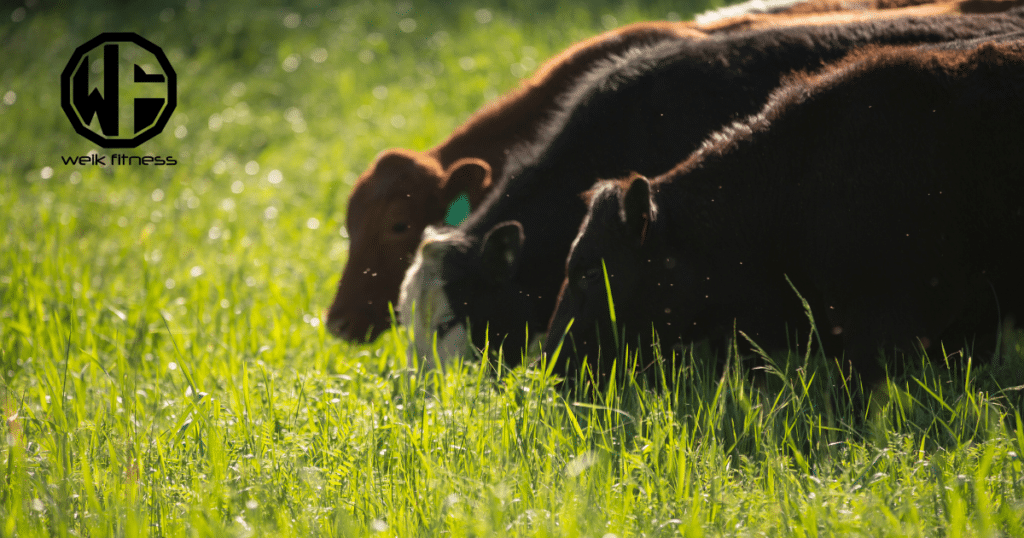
(423, 305)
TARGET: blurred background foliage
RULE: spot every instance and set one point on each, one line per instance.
(281, 105)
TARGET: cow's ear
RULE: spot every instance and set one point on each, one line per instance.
(468, 175)
(500, 251)
(638, 208)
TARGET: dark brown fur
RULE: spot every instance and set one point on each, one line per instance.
(404, 190)
(888, 188)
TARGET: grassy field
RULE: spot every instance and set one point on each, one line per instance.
(165, 371)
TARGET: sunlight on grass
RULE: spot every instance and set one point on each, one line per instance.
(166, 373)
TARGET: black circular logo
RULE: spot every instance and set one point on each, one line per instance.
(134, 104)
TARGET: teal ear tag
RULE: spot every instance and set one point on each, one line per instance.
(458, 210)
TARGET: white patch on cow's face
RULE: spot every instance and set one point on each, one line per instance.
(423, 305)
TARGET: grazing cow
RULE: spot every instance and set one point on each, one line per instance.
(888, 189)
(643, 112)
(404, 190)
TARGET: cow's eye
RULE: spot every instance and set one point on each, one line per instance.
(400, 227)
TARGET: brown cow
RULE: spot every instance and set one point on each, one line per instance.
(404, 190)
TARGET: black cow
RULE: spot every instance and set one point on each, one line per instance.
(643, 112)
(889, 189)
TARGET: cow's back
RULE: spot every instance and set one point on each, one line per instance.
(647, 110)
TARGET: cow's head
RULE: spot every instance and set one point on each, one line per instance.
(392, 202)
(455, 273)
(423, 305)
(620, 237)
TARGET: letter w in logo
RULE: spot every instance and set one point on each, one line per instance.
(92, 103)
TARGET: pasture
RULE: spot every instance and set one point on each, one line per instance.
(165, 370)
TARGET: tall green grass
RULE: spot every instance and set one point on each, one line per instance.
(165, 372)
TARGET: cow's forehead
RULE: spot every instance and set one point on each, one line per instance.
(606, 199)
(440, 234)
(397, 172)
(424, 273)
(439, 244)
(605, 210)
(608, 205)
